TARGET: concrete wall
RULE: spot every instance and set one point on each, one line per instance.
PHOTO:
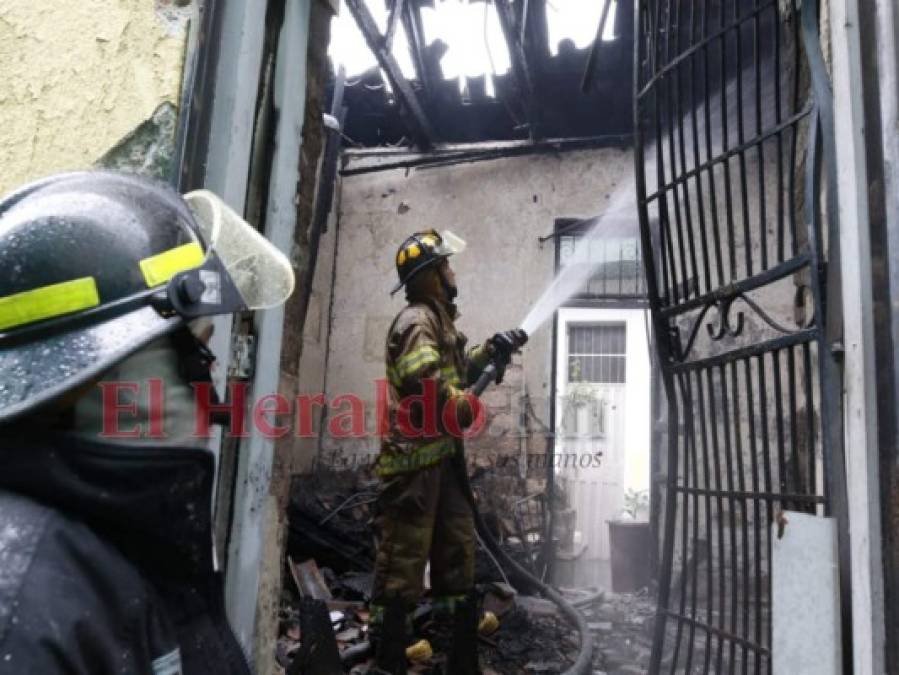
(500, 208)
(79, 76)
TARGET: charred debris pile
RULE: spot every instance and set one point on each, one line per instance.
(328, 577)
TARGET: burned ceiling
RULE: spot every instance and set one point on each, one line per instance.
(577, 93)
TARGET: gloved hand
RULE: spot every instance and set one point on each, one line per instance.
(502, 345)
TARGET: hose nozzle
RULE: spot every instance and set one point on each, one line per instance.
(520, 338)
(494, 370)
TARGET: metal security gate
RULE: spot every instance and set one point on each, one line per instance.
(734, 133)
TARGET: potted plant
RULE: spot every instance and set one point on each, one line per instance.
(630, 543)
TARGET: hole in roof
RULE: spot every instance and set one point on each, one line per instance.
(472, 33)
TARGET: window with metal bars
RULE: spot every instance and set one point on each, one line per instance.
(616, 262)
(597, 353)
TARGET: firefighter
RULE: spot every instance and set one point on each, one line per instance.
(106, 556)
(423, 513)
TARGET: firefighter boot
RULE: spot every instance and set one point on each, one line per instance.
(390, 643)
(463, 652)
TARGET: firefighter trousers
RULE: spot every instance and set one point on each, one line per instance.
(423, 515)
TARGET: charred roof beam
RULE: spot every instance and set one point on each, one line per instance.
(521, 70)
(416, 119)
(593, 59)
(537, 35)
(396, 11)
(415, 34)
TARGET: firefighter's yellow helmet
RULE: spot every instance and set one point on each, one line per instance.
(422, 250)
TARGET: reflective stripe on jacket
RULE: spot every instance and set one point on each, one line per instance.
(423, 343)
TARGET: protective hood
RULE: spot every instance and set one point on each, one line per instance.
(153, 503)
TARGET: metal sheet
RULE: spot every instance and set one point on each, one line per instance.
(805, 597)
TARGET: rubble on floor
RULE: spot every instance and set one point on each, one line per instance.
(330, 557)
(529, 642)
(532, 636)
(622, 627)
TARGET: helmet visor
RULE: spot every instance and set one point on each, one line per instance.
(261, 273)
(450, 244)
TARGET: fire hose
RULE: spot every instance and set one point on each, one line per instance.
(583, 662)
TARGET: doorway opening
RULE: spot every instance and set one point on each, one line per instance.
(603, 432)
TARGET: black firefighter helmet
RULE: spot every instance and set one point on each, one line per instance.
(423, 249)
(96, 265)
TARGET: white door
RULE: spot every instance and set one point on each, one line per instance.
(602, 416)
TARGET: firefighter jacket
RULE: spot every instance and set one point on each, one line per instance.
(106, 562)
(427, 366)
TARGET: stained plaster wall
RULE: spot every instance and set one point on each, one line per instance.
(500, 208)
(80, 76)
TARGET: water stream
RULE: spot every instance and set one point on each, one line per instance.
(719, 117)
(618, 221)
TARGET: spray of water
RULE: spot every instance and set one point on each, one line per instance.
(705, 131)
(618, 221)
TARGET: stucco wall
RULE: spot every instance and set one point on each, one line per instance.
(500, 208)
(79, 76)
